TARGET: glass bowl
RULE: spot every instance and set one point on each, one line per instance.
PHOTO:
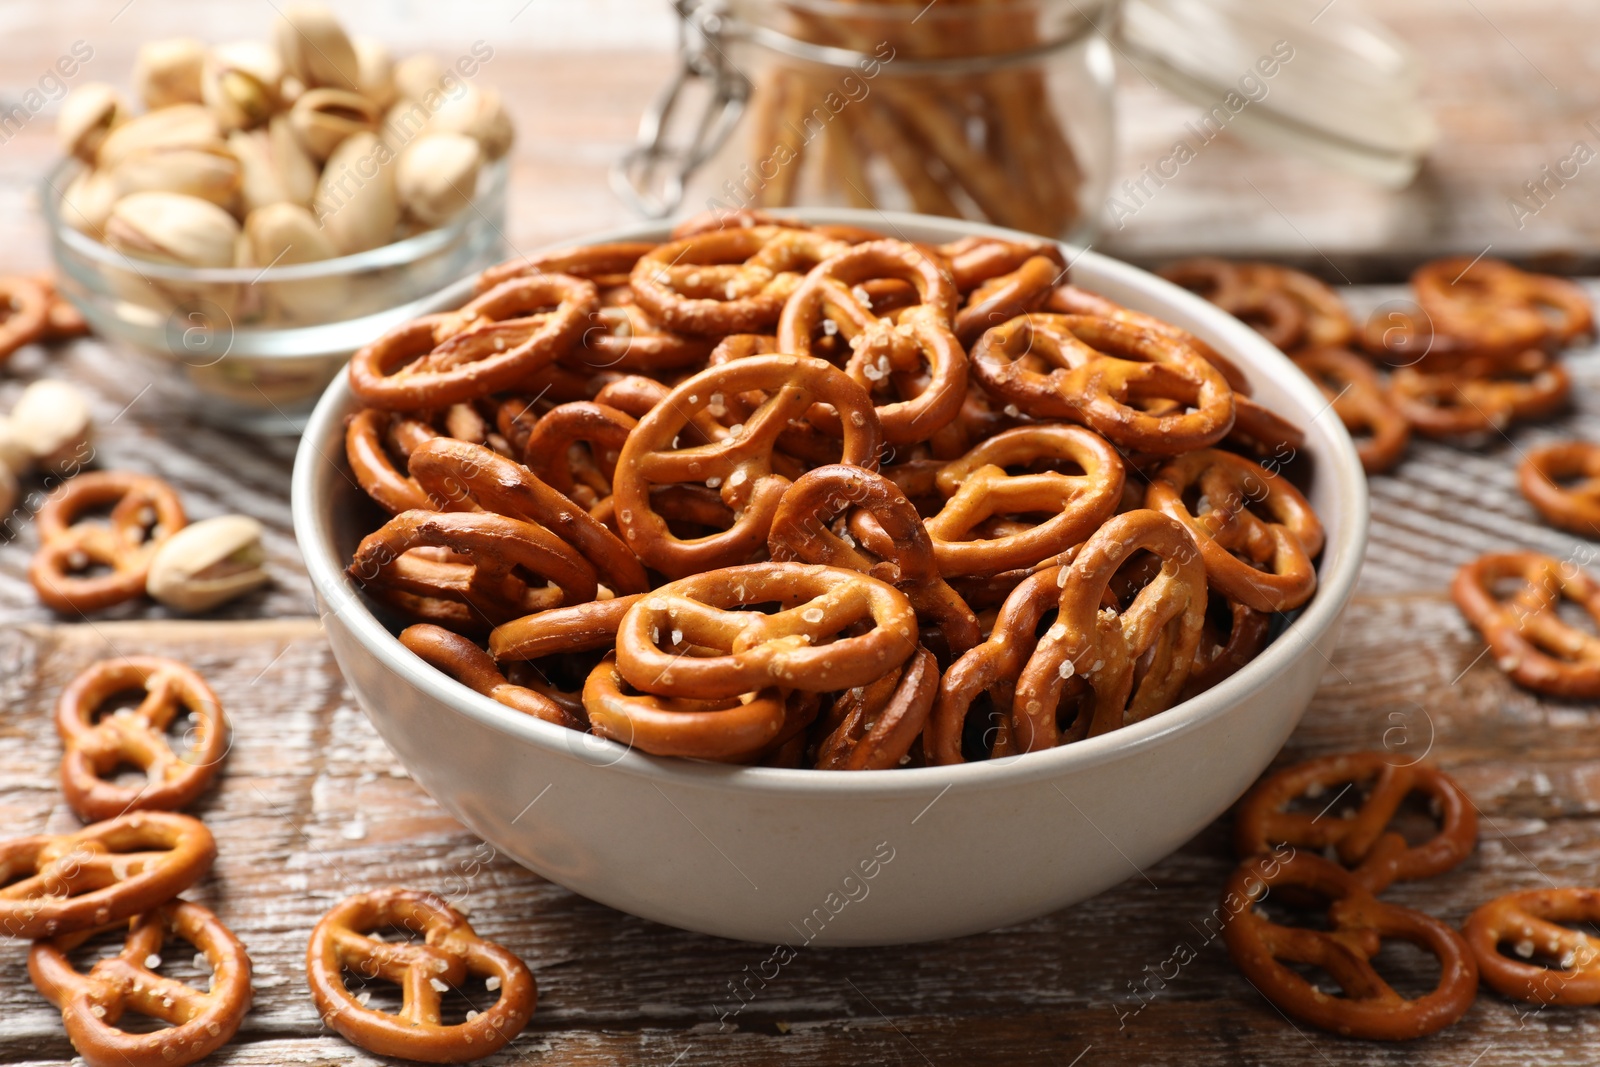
(252, 349)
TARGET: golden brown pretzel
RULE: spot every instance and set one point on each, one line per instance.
(495, 342)
(1004, 297)
(1359, 399)
(801, 532)
(25, 313)
(882, 721)
(461, 659)
(604, 429)
(145, 511)
(1101, 647)
(1070, 300)
(1529, 638)
(808, 644)
(458, 476)
(199, 1022)
(1493, 305)
(1260, 560)
(738, 463)
(726, 729)
(449, 953)
(1483, 395)
(1220, 657)
(488, 581)
(978, 490)
(606, 265)
(726, 281)
(1541, 475)
(973, 260)
(1354, 822)
(1102, 370)
(137, 737)
(364, 444)
(623, 336)
(1567, 970)
(1358, 923)
(578, 628)
(60, 884)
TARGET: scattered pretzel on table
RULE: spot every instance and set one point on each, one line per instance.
(1553, 964)
(144, 512)
(1543, 475)
(1528, 637)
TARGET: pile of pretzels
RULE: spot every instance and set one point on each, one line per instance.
(815, 496)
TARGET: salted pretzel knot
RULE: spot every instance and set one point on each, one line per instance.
(145, 511)
(1542, 476)
(137, 737)
(59, 884)
(601, 427)
(1364, 791)
(738, 463)
(1563, 964)
(1103, 373)
(1486, 394)
(813, 642)
(1257, 534)
(495, 342)
(1101, 646)
(801, 531)
(1529, 638)
(364, 445)
(880, 722)
(461, 659)
(198, 1021)
(888, 350)
(1358, 924)
(725, 729)
(449, 953)
(1496, 305)
(1359, 399)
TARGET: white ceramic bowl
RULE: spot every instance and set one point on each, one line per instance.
(838, 857)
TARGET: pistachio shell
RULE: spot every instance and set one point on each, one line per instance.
(415, 75)
(15, 455)
(478, 113)
(168, 72)
(240, 83)
(322, 118)
(436, 176)
(179, 126)
(356, 201)
(283, 234)
(211, 173)
(298, 169)
(208, 563)
(404, 122)
(315, 48)
(87, 202)
(51, 418)
(172, 228)
(88, 114)
(376, 71)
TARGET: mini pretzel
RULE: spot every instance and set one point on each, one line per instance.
(369, 461)
(1358, 923)
(474, 668)
(729, 729)
(137, 737)
(24, 313)
(199, 1022)
(449, 952)
(880, 722)
(807, 645)
(1529, 385)
(1002, 298)
(1070, 300)
(489, 586)
(1497, 306)
(606, 265)
(974, 260)
(1220, 657)
(458, 476)
(1102, 368)
(1358, 398)
(495, 342)
(800, 531)
(1101, 647)
(1257, 534)
(1574, 508)
(145, 511)
(1354, 821)
(1289, 308)
(578, 628)
(979, 489)
(738, 463)
(604, 429)
(727, 281)
(1530, 922)
(101, 874)
(991, 667)
(1529, 638)
(889, 350)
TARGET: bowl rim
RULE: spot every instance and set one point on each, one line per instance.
(1343, 559)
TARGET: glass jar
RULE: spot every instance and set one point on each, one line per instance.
(997, 110)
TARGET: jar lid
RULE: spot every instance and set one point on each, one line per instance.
(1329, 83)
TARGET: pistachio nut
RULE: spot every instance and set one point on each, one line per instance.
(210, 173)
(376, 71)
(356, 201)
(51, 419)
(15, 455)
(404, 122)
(436, 176)
(240, 83)
(322, 118)
(274, 168)
(479, 114)
(87, 114)
(415, 76)
(172, 228)
(208, 563)
(179, 126)
(315, 48)
(298, 169)
(168, 72)
(87, 202)
(286, 234)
